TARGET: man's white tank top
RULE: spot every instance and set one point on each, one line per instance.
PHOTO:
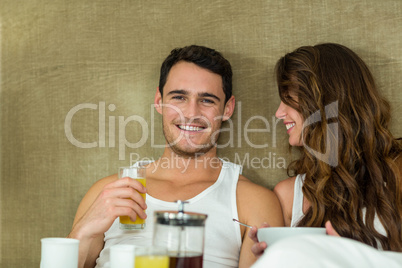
(222, 235)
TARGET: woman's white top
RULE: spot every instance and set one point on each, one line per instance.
(297, 209)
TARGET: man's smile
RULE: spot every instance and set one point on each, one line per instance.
(192, 128)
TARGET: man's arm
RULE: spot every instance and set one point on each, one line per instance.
(256, 205)
(103, 203)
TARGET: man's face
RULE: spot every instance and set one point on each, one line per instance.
(193, 108)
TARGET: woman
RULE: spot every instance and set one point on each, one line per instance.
(349, 172)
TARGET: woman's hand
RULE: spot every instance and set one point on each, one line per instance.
(330, 229)
(258, 247)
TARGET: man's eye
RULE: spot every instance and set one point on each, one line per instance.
(208, 101)
(178, 97)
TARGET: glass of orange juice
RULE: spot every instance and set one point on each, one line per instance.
(136, 172)
(153, 256)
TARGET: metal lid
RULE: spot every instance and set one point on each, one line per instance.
(180, 218)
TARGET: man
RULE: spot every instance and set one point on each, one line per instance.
(194, 97)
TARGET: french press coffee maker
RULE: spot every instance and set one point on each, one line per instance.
(182, 234)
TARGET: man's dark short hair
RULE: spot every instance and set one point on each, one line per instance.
(203, 57)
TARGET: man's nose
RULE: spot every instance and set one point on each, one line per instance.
(192, 109)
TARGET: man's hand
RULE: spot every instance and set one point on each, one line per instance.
(119, 198)
(104, 202)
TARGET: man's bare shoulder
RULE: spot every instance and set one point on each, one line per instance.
(246, 187)
(257, 204)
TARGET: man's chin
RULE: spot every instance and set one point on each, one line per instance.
(191, 153)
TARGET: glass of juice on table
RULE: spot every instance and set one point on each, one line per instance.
(136, 172)
(155, 257)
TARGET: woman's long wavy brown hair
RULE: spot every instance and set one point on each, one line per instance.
(351, 160)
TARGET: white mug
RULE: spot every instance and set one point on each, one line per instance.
(122, 256)
(59, 252)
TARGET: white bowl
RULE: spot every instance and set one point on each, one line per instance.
(271, 235)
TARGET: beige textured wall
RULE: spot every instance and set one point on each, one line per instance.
(57, 55)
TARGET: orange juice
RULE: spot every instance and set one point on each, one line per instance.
(153, 261)
(138, 221)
